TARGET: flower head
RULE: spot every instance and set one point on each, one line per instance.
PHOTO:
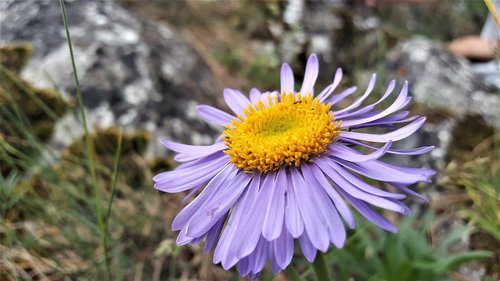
(286, 168)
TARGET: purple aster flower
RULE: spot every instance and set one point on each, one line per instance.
(286, 168)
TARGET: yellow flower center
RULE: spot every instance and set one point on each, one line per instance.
(291, 130)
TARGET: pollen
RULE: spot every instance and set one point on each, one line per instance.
(289, 130)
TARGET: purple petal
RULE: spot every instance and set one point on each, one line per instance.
(330, 217)
(348, 154)
(236, 101)
(359, 100)
(216, 185)
(342, 95)
(244, 267)
(401, 101)
(312, 69)
(249, 234)
(257, 259)
(275, 213)
(254, 95)
(223, 252)
(334, 196)
(192, 152)
(287, 80)
(308, 210)
(410, 192)
(293, 220)
(367, 212)
(273, 264)
(307, 248)
(214, 233)
(383, 172)
(328, 90)
(217, 206)
(412, 151)
(183, 179)
(214, 115)
(395, 135)
(363, 185)
(354, 191)
(368, 108)
(283, 248)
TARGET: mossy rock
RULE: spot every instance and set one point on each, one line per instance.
(467, 134)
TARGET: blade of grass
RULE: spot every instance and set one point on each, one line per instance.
(88, 144)
(116, 168)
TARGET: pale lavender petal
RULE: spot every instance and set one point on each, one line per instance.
(214, 233)
(411, 151)
(359, 100)
(410, 192)
(287, 80)
(191, 193)
(307, 248)
(379, 171)
(314, 227)
(217, 206)
(180, 180)
(283, 248)
(363, 185)
(334, 196)
(275, 268)
(325, 207)
(330, 88)
(342, 95)
(310, 76)
(395, 135)
(183, 239)
(214, 115)
(244, 267)
(383, 122)
(367, 212)
(192, 152)
(216, 185)
(249, 234)
(341, 151)
(223, 252)
(236, 101)
(275, 213)
(293, 220)
(401, 101)
(348, 187)
(254, 95)
(258, 257)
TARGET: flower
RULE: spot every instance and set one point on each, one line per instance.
(285, 168)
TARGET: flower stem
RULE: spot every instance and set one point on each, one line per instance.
(292, 274)
(320, 268)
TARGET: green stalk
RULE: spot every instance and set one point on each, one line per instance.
(320, 268)
(88, 143)
(292, 274)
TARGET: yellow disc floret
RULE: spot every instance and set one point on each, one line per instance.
(292, 129)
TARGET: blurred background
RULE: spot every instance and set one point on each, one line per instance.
(145, 65)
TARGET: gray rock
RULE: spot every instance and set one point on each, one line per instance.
(134, 73)
(440, 80)
(447, 86)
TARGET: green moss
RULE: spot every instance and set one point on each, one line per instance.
(15, 57)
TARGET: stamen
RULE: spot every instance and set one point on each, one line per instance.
(291, 130)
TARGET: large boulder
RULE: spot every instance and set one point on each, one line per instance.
(134, 73)
(449, 92)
